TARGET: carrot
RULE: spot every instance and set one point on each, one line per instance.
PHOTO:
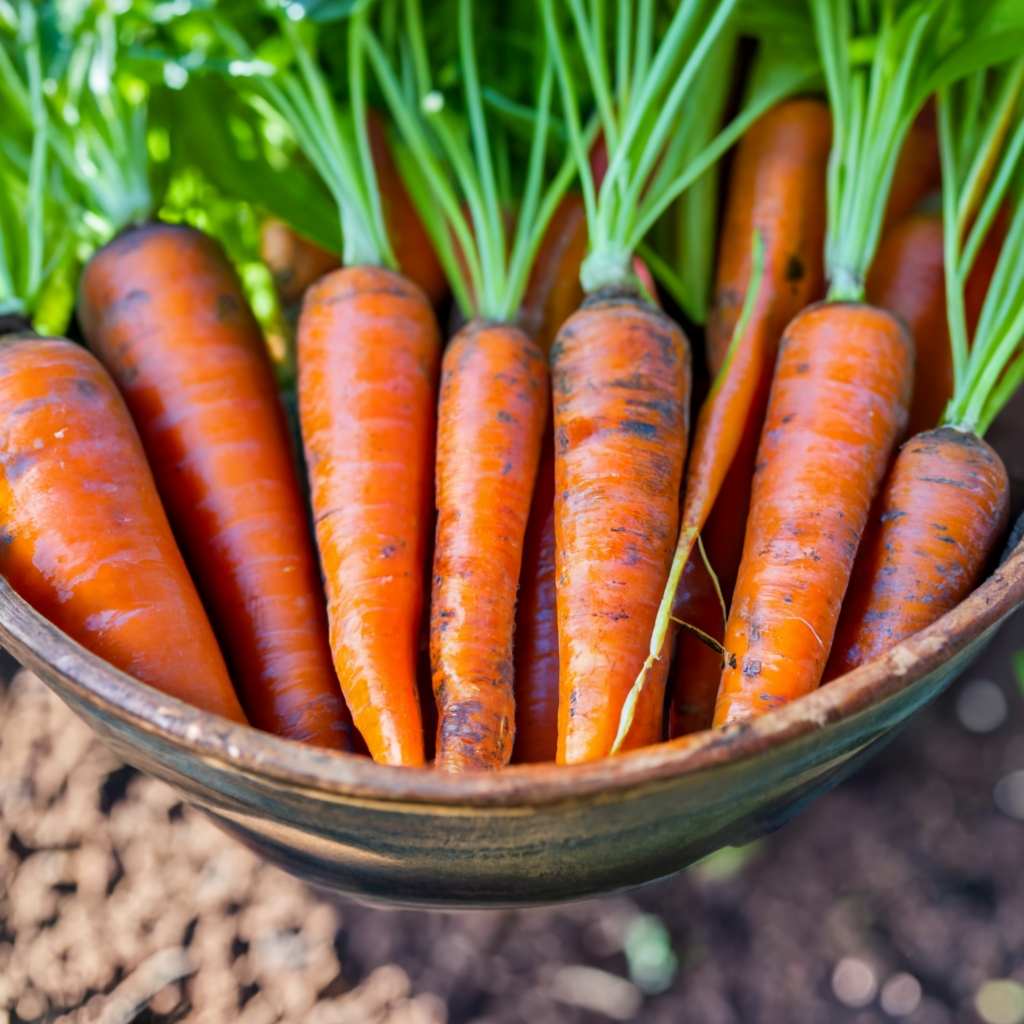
(838, 406)
(536, 634)
(945, 506)
(554, 292)
(494, 394)
(369, 349)
(907, 278)
(493, 399)
(417, 259)
(841, 394)
(368, 427)
(294, 261)
(164, 312)
(85, 539)
(917, 170)
(777, 188)
(621, 385)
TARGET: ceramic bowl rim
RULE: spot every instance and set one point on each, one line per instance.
(267, 759)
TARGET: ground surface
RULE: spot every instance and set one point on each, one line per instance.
(908, 867)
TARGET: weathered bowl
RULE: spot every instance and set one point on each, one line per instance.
(527, 835)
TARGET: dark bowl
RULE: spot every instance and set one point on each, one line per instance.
(530, 834)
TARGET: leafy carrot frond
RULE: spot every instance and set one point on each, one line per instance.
(976, 183)
(333, 139)
(882, 59)
(644, 114)
(457, 165)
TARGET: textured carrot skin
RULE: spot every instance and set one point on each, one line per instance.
(777, 187)
(85, 539)
(369, 349)
(838, 407)
(621, 387)
(536, 638)
(164, 312)
(945, 507)
(491, 413)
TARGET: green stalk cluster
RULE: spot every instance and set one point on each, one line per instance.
(981, 135)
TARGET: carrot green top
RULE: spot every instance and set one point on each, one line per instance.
(882, 59)
(642, 110)
(459, 166)
(30, 242)
(334, 139)
(981, 139)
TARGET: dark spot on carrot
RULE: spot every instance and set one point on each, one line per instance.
(751, 666)
(732, 661)
(794, 269)
(893, 515)
(87, 388)
(638, 429)
(802, 367)
(503, 417)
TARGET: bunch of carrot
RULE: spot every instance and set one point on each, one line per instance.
(518, 544)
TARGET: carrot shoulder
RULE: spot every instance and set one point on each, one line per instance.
(494, 396)
(85, 539)
(163, 310)
(369, 349)
(621, 383)
(837, 408)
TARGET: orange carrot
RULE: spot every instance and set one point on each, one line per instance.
(163, 310)
(908, 279)
(294, 261)
(945, 508)
(369, 349)
(838, 406)
(777, 188)
(494, 393)
(536, 633)
(415, 253)
(554, 292)
(621, 381)
(85, 539)
(918, 170)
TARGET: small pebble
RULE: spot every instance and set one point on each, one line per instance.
(1000, 1001)
(598, 991)
(854, 982)
(981, 706)
(1009, 794)
(901, 995)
